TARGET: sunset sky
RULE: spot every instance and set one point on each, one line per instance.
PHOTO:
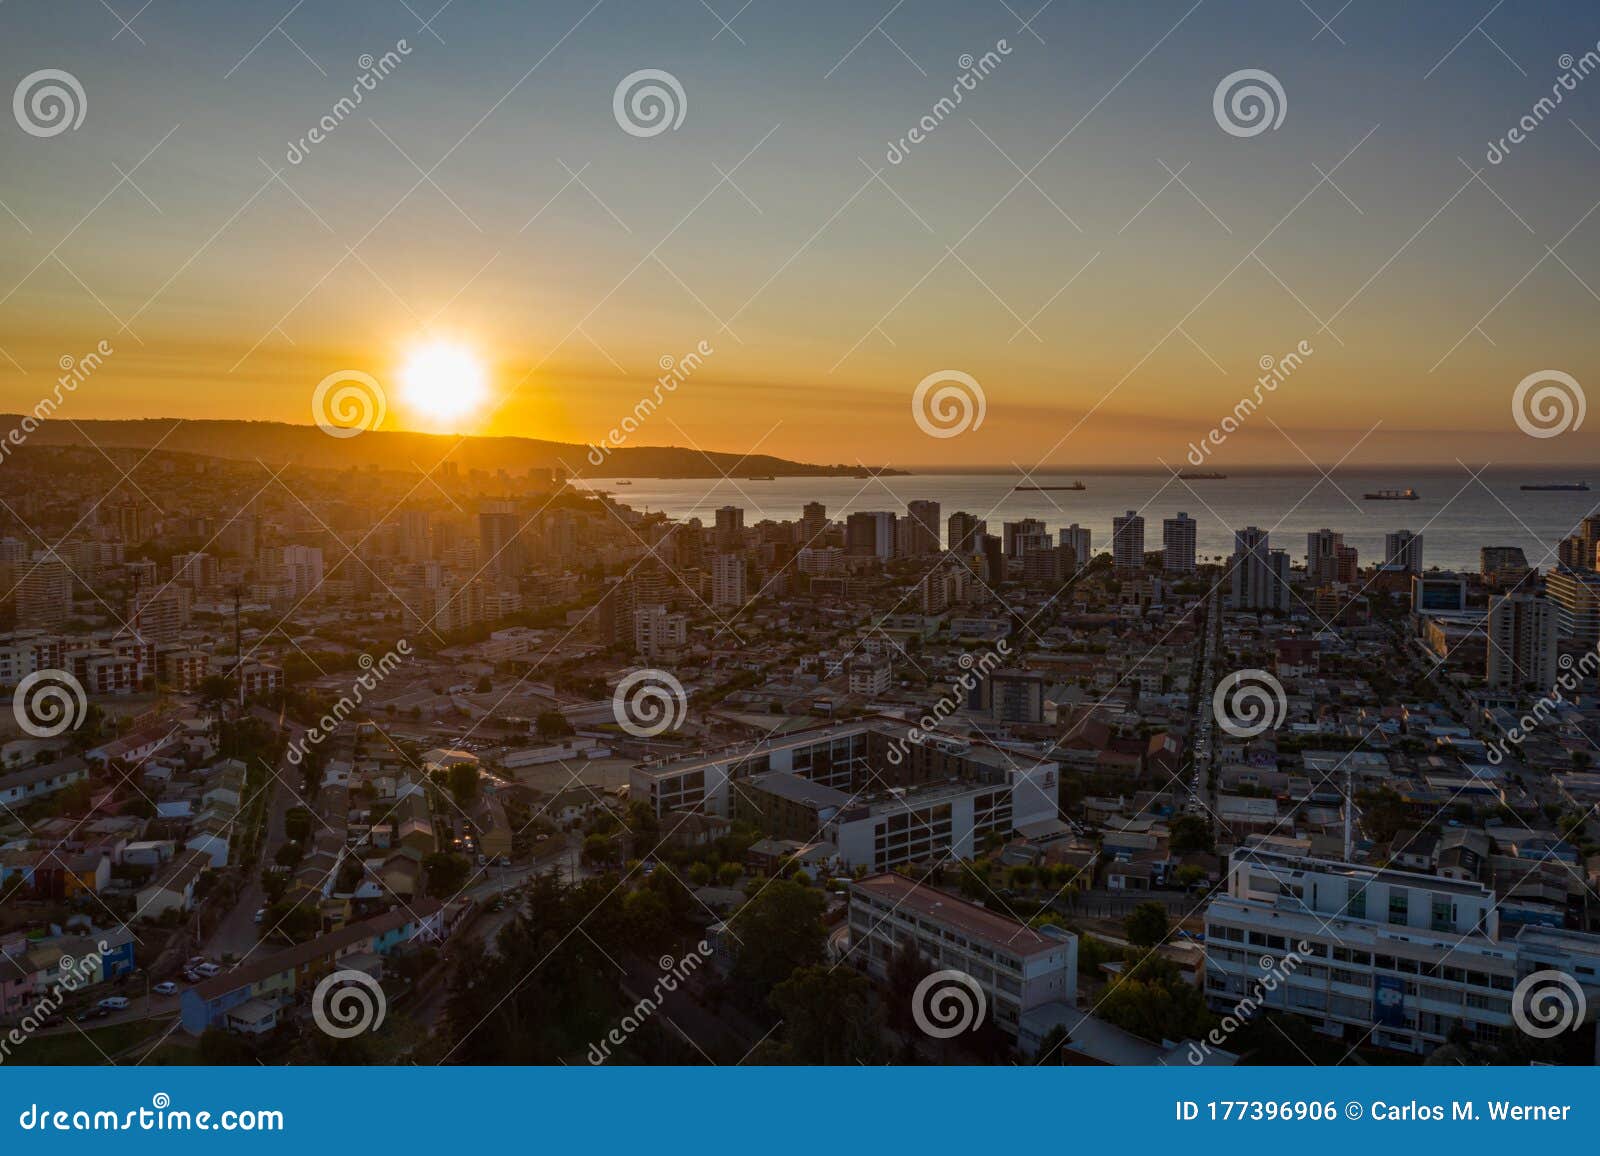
(825, 293)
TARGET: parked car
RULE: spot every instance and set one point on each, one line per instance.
(167, 988)
(113, 1003)
(94, 1013)
(208, 970)
(261, 915)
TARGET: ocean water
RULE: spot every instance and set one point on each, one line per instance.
(1456, 513)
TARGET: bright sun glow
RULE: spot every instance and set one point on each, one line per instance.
(443, 381)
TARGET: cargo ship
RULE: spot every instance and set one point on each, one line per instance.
(1406, 495)
(1580, 487)
(1042, 489)
(1190, 477)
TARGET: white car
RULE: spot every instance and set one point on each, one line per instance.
(113, 1003)
(167, 988)
(208, 970)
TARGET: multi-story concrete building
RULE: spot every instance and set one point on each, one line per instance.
(909, 801)
(1576, 594)
(1402, 550)
(1260, 574)
(1127, 541)
(1367, 952)
(1178, 544)
(1521, 644)
(727, 581)
(1017, 967)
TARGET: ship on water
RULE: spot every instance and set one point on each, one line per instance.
(1201, 477)
(1043, 489)
(1406, 495)
(1580, 487)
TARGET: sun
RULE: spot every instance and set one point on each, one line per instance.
(443, 381)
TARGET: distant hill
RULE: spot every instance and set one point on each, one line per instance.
(307, 445)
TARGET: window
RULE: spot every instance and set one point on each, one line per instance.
(1399, 905)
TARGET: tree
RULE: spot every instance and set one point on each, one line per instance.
(699, 874)
(775, 932)
(1190, 833)
(552, 724)
(728, 874)
(447, 873)
(463, 783)
(1147, 925)
(829, 1017)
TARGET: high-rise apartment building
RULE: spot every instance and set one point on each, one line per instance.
(44, 593)
(500, 538)
(1522, 643)
(1402, 551)
(925, 519)
(1127, 541)
(1078, 538)
(1576, 594)
(1178, 544)
(813, 525)
(729, 535)
(727, 581)
(1322, 556)
(966, 532)
(1260, 574)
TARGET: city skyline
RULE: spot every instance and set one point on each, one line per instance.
(1114, 304)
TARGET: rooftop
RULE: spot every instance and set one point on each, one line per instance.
(998, 931)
